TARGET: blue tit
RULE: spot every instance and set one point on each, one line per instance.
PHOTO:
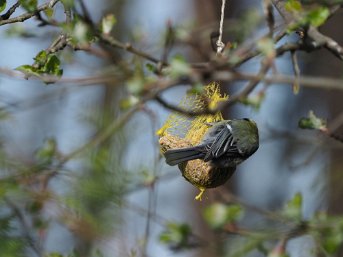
(226, 144)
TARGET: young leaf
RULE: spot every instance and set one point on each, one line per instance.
(40, 58)
(267, 47)
(318, 16)
(44, 65)
(2, 5)
(29, 5)
(47, 152)
(28, 70)
(179, 67)
(293, 6)
(68, 3)
(49, 12)
(176, 235)
(293, 208)
(217, 215)
(128, 102)
(52, 66)
(332, 240)
(312, 122)
(107, 23)
(254, 101)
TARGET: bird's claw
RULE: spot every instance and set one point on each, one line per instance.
(199, 196)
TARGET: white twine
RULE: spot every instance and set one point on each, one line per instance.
(220, 43)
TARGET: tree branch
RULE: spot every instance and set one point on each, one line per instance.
(127, 47)
(29, 15)
(10, 11)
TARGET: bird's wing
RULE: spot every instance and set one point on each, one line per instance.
(223, 144)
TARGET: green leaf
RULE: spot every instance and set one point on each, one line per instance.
(267, 47)
(80, 32)
(318, 16)
(68, 3)
(18, 30)
(296, 87)
(107, 23)
(54, 254)
(128, 102)
(293, 208)
(312, 122)
(196, 89)
(28, 70)
(328, 230)
(47, 152)
(176, 235)
(293, 6)
(44, 65)
(254, 101)
(136, 85)
(52, 66)
(217, 214)
(331, 241)
(179, 67)
(151, 67)
(49, 12)
(29, 5)
(40, 58)
(2, 5)
(12, 246)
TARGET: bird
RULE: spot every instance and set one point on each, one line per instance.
(226, 144)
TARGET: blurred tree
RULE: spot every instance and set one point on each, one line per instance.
(80, 192)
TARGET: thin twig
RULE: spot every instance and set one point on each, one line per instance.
(251, 85)
(10, 11)
(277, 79)
(268, 12)
(86, 14)
(168, 44)
(296, 70)
(162, 221)
(175, 108)
(334, 126)
(129, 48)
(29, 15)
(313, 38)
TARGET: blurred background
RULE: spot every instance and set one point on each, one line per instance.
(119, 198)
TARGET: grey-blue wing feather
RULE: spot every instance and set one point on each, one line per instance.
(224, 144)
(179, 155)
(220, 145)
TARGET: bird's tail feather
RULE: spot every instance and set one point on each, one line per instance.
(177, 156)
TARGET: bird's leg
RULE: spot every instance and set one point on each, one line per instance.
(199, 196)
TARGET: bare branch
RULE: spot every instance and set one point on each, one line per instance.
(321, 40)
(10, 11)
(296, 71)
(306, 81)
(183, 111)
(127, 47)
(313, 38)
(251, 85)
(29, 15)
(268, 12)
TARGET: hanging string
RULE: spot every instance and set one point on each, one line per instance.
(220, 43)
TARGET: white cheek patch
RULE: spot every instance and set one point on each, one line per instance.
(229, 127)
